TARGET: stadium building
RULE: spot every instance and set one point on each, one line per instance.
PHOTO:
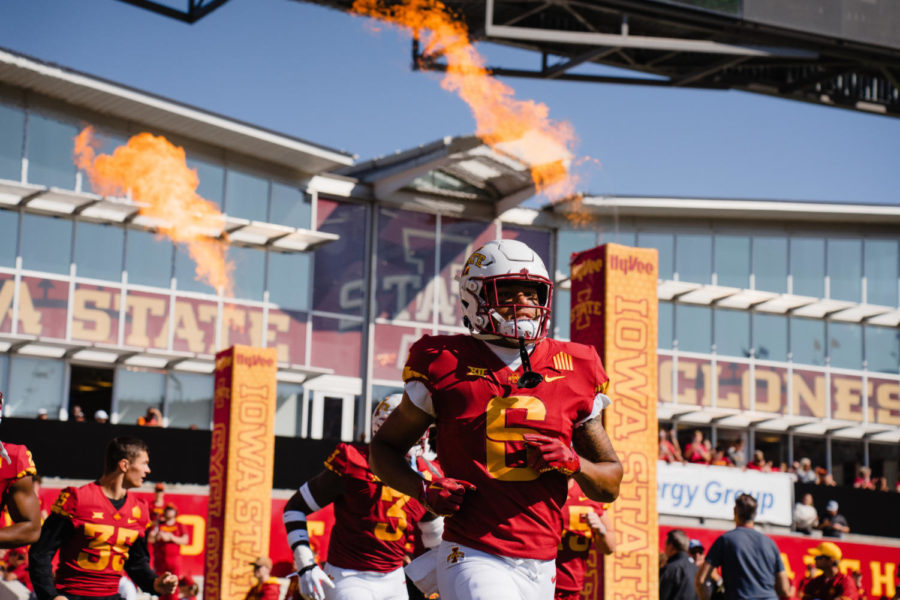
(778, 320)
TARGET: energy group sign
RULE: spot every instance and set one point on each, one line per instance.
(709, 492)
(614, 309)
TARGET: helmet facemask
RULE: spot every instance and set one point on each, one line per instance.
(529, 321)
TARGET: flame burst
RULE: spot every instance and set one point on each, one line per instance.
(521, 128)
(156, 174)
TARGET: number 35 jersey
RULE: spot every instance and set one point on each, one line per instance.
(481, 416)
(372, 521)
(92, 560)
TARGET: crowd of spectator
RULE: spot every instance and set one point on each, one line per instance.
(731, 454)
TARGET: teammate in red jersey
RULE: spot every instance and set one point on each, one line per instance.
(517, 414)
(17, 495)
(583, 521)
(99, 530)
(167, 537)
(372, 521)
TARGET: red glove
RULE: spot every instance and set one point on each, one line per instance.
(444, 495)
(551, 453)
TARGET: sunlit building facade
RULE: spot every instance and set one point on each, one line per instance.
(778, 321)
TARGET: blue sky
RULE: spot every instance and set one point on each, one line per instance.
(327, 77)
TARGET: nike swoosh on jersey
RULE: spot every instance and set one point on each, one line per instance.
(548, 378)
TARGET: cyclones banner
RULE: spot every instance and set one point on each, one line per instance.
(614, 309)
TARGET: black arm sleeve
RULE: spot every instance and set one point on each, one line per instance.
(138, 565)
(54, 532)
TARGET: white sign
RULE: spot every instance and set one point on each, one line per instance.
(709, 492)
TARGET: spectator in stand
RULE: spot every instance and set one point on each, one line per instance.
(17, 568)
(267, 587)
(736, 454)
(673, 439)
(831, 584)
(42, 414)
(828, 480)
(719, 458)
(806, 474)
(697, 552)
(101, 416)
(805, 516)
(759, 462)
(676, 578)
(750, 561)
(153, 418)
(864, 479)
(77, 414)
(833, 524)
(881, 484)
(696, 452)
(667, 450)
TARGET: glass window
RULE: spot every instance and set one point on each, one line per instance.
(34, 383)
(770, 264)
(149, 259)
(339, 267)
(845, 270)
(288, 409)
(569, 242)
(406, 256)
(770, 337)
(186, 272)
(881, 272)
(808, 266)
(212, 180)
(882, 349)
(98, 251)
(732, 332)
(665, 243)
(290, 206)
(562, 310)
(733, 261)
(693, 253)
(289, 283)
(808, 341)
(189, 400)
(136, 390)
(50, 145)
(12, 124)
(845, 348)
(693, 328)
(249, 272)
(9, 234)
(246, 196)
(666, 325)
(38, 253)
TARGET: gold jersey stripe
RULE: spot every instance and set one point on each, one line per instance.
(563, 362)
(410, 374)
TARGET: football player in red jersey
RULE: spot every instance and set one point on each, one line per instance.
(17, 495)
(517, 414)
(166, 538)
(583, 521)
(368, 542)
(99, 530)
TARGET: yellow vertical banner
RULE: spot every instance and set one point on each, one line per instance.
(241, 461)
(614, 308)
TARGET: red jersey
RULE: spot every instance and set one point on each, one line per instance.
(269, 589)
(92, 560)
(481, 417)
(576, 540)
(371, 520)
(20, 465)
(167, 555)
(831, 588)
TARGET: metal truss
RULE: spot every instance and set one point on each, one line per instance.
(671, 45)
(195, 10)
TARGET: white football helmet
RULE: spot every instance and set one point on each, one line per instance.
(501, 261)
(384, 408)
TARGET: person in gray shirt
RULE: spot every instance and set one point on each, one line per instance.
(751, 564)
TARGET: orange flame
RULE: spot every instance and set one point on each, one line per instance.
(156, 174)
(521, 128)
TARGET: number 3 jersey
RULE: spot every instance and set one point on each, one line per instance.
(92, 560)
(576, 540)
(481, 416)
(372, 521)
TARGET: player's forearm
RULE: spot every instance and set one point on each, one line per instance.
(20, 534)
(600, 481)
(391, 466)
